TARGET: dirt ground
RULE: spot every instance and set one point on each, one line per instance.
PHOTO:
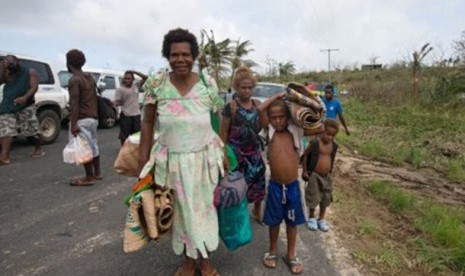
(367, 239)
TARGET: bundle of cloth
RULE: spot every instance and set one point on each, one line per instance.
(306, 107)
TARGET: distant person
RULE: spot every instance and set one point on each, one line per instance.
(127, 96)
(17, 109)
(83, 116)
(333, 107)
(317, 168)
(283, 200)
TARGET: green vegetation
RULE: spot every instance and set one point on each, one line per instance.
(440, 241)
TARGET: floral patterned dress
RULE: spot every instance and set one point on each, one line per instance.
(187, 157)
(245, 142)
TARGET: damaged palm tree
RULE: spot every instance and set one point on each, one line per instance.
(416, 65)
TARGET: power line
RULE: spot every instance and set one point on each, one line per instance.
(329, 59)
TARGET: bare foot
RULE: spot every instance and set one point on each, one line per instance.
(187, 268)
(207, 269)
(4, 162)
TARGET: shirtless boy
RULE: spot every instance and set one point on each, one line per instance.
(317, 166)
(283, 199)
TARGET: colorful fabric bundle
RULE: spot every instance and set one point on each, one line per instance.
(306, 107)
(231, 190)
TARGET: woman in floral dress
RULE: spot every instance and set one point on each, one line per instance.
(188, 154)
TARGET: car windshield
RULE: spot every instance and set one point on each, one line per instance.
(267, 90)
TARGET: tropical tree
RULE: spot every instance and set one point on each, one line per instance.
(286, 69)
(418, 56)
(216, 56)
(238, 52)
(459, 47)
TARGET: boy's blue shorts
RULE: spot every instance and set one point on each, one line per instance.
(285, 204)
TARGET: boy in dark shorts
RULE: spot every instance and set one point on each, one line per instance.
(317, 167)
(283, 199)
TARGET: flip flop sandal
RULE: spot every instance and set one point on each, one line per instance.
(81, 182)
(270, 257)
(98, 177)
(38, 155)
(292, 264)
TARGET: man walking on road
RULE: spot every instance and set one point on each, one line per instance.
(17, 108)
(333, 107)
(127, 96)
(83, 117)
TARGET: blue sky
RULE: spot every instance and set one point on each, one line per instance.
(121, 35)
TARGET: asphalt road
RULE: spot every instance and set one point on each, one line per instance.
(51, 228)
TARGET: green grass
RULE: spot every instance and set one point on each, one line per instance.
(441, 243)
(402, 134)
(366, 227)
(397, 200)
(456, 170)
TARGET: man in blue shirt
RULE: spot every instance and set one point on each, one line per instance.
(333, 107)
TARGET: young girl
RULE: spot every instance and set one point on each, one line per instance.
(242, 120)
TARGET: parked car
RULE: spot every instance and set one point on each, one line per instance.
(107, 82)
(265, 90)
(51, 99)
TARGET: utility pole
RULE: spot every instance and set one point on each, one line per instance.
(329, 59)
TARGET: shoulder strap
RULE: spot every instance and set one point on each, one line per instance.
(202, 79)
(313, 156)
(233, 110)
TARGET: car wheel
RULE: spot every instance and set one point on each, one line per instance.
(49, 125)
(108, 122)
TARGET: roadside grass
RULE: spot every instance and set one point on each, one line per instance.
(407, 134)
(441, 239)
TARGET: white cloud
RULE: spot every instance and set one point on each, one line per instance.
(121, 34)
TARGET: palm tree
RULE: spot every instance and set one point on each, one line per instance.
(286, 69)
(216, 55)
(239, 51)
(416, 65)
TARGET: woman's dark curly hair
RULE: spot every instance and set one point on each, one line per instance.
(179, 35)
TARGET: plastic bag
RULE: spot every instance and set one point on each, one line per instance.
(231, 190)
(77, 151)
(234, 224)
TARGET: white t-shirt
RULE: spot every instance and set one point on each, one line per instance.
(129, 98)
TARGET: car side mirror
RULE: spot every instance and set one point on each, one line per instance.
(101, 87)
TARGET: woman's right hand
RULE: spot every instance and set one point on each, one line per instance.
(305, 176)
(226, 164)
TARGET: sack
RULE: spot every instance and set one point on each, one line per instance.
(150, 215)
(127, 161)
(77, 151)
(231, 190)
(234, 224)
